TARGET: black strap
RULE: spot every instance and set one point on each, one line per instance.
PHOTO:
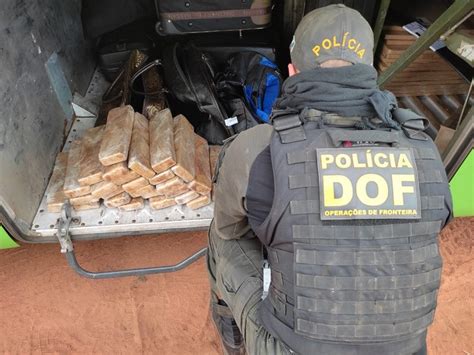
(215, 14)
(412, 124)
(139, 73)
(289, 127)
(338, 136)
(409, 119)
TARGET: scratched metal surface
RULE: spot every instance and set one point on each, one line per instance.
(32, 121)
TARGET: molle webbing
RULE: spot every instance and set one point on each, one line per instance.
(367, 283)
(377, 257)
(312, 206)
(306, 155)
(363, 332)
(430, 176)
(282, 303)
(338, 136)
(368, 231)
(364, 270)
(351, 281)
(375, 247)
(364, 308)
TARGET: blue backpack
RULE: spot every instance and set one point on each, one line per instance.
(255, 79)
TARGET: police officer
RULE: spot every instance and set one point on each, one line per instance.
(325, 232)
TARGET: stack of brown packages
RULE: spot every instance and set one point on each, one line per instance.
(428, 74)
(132, 159)
(430, 85)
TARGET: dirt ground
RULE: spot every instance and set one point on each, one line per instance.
(46, 308)
(453, 329)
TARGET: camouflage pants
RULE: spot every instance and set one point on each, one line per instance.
(235, 273)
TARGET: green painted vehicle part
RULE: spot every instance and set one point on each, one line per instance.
(5, 241)
(462, 188)
(380, 21)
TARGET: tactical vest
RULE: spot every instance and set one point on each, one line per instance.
(350, 286)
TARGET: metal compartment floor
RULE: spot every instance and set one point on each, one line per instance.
(105, 221)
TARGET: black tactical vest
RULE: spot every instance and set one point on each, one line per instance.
(350, 286)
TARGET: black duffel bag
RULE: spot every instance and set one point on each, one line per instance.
(236, 99)
(189, 74)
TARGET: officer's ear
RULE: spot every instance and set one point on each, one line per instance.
(292, 70)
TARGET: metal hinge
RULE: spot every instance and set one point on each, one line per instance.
(64, 223)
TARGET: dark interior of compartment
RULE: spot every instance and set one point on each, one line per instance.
(119, 28)
(51, 51)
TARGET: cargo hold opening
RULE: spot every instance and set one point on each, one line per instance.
(57, 68)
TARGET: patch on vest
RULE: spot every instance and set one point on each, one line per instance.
(368, 183)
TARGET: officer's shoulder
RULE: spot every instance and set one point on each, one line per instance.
(258, 134)
(264, 128)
